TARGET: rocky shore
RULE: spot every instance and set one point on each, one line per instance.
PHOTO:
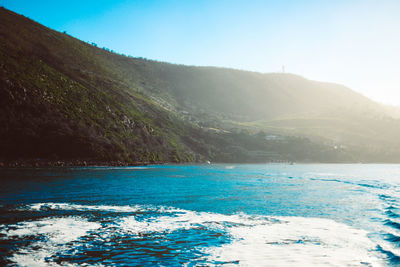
(32, 163)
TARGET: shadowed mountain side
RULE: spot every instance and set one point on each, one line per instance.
(61, 98)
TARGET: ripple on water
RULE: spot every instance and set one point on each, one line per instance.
(150, 234)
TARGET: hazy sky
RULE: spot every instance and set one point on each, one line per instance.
(352, 42)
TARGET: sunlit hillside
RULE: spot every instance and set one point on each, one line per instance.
(62, 98)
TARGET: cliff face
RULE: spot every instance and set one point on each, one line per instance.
(61, 98)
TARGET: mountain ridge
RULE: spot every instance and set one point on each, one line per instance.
(64, 99)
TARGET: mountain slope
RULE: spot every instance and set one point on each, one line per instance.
(61, 98)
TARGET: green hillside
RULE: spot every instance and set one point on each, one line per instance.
(63, 99)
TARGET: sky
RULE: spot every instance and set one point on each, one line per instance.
(352, 42)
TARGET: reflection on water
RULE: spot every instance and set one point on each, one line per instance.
(201, 215)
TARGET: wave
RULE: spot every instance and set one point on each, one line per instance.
(79, 207)
(389, 212)
(393, 224)
(50, 236)
(297, 241)
(393, 238)
(363, 184)
(393, 258)
(247, 240)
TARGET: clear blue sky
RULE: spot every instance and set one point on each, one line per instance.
(353, 42)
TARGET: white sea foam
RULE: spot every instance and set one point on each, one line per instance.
(78, 207)
(55, 233)
(182, 220)
(271, 241)
(256, 240)
(297, 241)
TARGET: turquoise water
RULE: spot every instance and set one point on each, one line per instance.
(196, 215)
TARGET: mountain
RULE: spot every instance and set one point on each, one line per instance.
(64, 99)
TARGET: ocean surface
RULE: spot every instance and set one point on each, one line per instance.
(201, 215)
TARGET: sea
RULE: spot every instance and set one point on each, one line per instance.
(201, 215)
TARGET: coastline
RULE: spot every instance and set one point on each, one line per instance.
(48, 163)
(33, 163)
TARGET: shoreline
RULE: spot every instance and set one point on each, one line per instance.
(35, 163)
(46, 163)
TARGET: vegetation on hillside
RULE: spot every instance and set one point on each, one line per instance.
(64, 99)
